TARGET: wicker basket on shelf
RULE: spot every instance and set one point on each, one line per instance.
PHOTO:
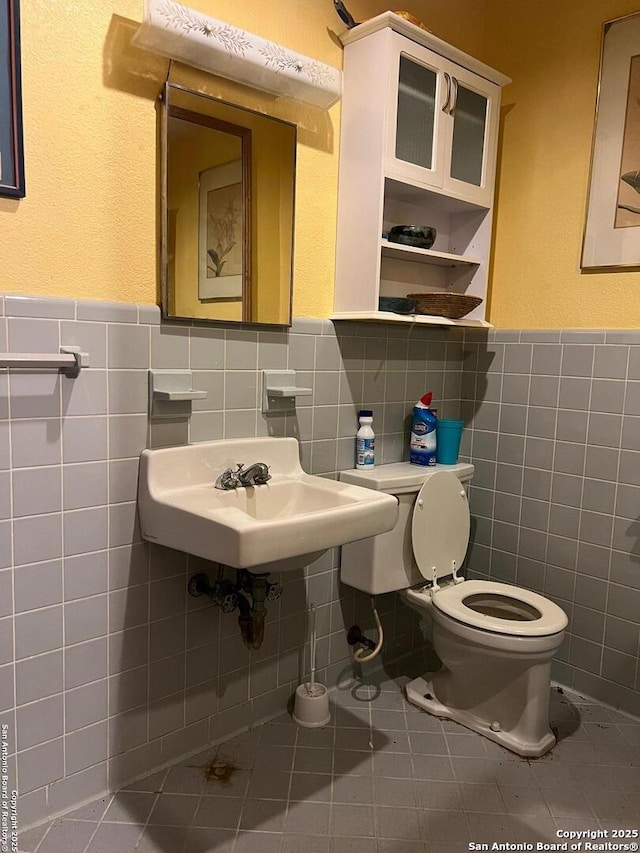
(454, 306)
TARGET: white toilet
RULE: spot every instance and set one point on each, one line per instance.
(496, 641)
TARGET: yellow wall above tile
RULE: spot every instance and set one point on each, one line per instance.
(552, 52)
(87, 227)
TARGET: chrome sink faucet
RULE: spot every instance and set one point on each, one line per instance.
(256, 474)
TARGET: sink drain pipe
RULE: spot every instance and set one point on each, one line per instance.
(355, 637)
(248, 595)
(252, 615)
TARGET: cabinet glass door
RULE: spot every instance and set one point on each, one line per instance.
(469, 135)
(416, 111)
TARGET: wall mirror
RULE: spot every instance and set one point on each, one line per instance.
(227, 207)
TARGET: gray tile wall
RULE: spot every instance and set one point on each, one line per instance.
(553, 428)
(113, 670)
(110, 669)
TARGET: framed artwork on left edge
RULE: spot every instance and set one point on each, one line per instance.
(12, 183)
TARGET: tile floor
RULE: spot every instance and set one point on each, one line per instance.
(384, 777)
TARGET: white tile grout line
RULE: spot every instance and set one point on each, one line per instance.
(526, 433)
(13, 571)
(617, 485)
(580, 507)
(109, 684)
(146, 823)
(555, 430)
(62, 568)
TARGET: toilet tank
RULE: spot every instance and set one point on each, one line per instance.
(385, 563)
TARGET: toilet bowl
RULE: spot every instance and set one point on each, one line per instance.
(496, 641)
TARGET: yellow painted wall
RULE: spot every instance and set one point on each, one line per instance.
(87, 228)
(552, 51)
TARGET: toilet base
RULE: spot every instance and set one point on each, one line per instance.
(417, 691)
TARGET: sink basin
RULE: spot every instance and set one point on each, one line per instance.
(293, 514)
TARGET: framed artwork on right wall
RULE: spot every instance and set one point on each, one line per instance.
(612, 230)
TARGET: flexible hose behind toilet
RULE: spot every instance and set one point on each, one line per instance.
(360, 655)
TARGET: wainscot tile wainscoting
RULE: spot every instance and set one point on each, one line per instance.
(112, 671)
(553, 428)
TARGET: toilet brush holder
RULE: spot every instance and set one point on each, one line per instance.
(311, 705)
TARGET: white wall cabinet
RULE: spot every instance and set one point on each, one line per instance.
(418, 146)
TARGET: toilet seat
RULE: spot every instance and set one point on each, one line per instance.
(536, 616)
(440, 526)
(440, 535)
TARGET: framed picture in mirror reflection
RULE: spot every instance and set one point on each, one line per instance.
(221, 230)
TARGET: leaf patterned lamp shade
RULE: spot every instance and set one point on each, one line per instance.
(181, 33)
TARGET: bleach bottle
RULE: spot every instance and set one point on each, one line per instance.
(423, 433)
(365, 441)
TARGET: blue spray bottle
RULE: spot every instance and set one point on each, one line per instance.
(423, 433)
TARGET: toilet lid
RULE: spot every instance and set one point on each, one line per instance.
(440, 526)
(500, 608)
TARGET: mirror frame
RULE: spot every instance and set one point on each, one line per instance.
(166, 112)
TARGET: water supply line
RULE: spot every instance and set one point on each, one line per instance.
(355, 636)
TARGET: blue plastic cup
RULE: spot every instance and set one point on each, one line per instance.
(448, 435)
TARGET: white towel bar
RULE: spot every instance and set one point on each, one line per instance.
(69, 358)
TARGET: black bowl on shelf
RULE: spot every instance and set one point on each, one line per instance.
(397, 304)
(419, 236)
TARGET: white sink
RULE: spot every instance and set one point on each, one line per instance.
(294, 513)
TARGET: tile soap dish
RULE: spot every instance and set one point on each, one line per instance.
(171, 393)
(279, 390)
